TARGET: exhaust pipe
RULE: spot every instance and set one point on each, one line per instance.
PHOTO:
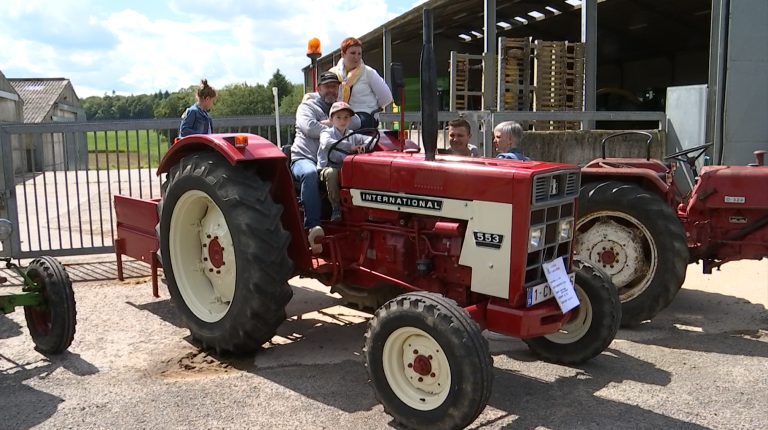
(428, 89)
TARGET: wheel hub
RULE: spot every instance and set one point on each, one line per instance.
(608, 257)
(215, 253)
(422, 366)
(616, 249)
(578, 324)
(202, 255)
(416, 368)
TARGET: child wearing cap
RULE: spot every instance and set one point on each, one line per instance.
(329, 163)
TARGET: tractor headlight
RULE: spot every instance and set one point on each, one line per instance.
(565, 230)
(535, 238)
(6, 228)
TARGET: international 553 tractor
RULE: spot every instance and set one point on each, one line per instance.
(635, 224)
(443, 246)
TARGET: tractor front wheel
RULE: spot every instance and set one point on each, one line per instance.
(51, 325)
(636, 238)
(224, 253)
(593, 324)
(427, 361)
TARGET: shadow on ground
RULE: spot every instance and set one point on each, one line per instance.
(336, 377)
(25, 407)
(304, 300)
(9, 328)
(163, 309)
(322, 361)
(706, 322)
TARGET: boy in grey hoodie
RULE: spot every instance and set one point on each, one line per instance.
(329, 162)
(311, 119)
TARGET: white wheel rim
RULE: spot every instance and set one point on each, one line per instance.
(431, 391)
(578, 325)
(627, 254)
(205, 277)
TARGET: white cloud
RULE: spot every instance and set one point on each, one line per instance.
(84, 92)
(225, 41)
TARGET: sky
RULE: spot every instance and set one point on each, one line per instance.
(143, 46)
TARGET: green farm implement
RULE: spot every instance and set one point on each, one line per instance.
(47, 298)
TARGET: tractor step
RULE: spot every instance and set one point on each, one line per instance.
(320, 265)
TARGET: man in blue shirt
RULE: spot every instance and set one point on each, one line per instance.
(506, 137)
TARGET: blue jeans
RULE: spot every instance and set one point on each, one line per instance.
(306, 172)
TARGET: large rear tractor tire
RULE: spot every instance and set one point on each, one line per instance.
(636, 238)
(428, 363)
(593, 324)
(52, 325)
(224, 253)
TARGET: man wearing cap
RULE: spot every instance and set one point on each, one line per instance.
(311, 120)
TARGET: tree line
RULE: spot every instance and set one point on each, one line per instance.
(239, 99)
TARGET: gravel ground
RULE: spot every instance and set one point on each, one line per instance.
(703, 363)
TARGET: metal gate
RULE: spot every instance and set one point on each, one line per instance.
(58, 180)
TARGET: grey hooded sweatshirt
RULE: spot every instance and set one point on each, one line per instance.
(308, 127)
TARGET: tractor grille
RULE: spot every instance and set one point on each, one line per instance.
(555, 186)
(551, 205)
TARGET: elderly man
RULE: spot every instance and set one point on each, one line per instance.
(506, 137)
(459, 133)
(311, 120)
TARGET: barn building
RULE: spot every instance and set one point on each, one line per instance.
(49, 100)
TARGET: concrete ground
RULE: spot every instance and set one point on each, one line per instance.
(702, 363)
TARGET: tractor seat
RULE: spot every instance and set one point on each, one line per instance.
(296, 184)
(287, 152)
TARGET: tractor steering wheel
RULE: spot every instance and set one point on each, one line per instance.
(684, 157)
(368, 147)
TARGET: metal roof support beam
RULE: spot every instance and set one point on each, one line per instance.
(489, 56)
(386, 49)
(589, 38)
(718, 58)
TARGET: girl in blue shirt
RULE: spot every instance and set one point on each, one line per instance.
(196, 119)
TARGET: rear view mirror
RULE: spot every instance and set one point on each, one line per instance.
(398, 83)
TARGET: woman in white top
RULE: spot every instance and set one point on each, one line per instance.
(361, 86)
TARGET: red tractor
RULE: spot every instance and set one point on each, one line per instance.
(635, 224)
(442, 246)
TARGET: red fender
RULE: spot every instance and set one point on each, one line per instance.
(257, 148)
(272, 166)
(649, 174)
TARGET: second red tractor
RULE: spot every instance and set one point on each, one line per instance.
(636, 225)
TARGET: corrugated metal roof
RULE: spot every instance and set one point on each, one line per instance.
(39, 94)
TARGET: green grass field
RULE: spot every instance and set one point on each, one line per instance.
(120, 149)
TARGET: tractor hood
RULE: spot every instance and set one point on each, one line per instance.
(450, 176)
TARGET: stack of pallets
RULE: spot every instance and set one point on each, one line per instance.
(515, 56)
(559, 81)
(462, 82)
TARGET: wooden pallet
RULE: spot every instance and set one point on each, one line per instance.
(515, 56)
(559, 81)
(462, 82)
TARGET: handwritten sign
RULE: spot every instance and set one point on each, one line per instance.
(561, 285)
